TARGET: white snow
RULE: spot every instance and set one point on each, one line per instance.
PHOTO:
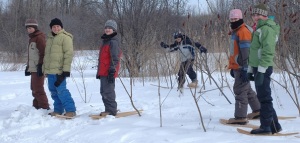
(21, 123)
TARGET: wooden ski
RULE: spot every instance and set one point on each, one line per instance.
(119, 115)
(248, 125)
(280, 118)
(245, 132)
(64, 117)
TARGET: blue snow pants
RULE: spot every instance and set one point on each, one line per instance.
(63, 100)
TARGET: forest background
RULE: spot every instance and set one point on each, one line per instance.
(142, 25)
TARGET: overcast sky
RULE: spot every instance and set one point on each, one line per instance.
(193, 3)
(202, 5)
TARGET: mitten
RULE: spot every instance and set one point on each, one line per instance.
(250, 76)
(243, 75)
(259, 79)
(97, 77)
(39, 71)
(111, 75)
(26, 71)
(61, 78)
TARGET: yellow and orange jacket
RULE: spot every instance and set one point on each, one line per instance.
(239, 47)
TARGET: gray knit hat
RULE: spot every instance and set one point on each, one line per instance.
(260, 9)
(31, 22)
(112, 24)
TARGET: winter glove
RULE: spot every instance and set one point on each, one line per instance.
(231, 73)
(250, 76)
(259, 79)
(203, 50)
(39, 71)
(243, 75)
(26, 72)
(164, 45)
(61, 78)
(97, 77)
(111, 75)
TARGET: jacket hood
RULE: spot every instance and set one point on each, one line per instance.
(270, 23)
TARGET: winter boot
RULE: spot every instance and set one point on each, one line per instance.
(240, 121)
(70, 114)
(106, 113)
(53, 113)
(253, 115)
(36, 107)
(262, 130)
(193, 84)
(276, 128)
(47, 108)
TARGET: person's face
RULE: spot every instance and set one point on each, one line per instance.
(178, 39)
(233, 19)
(108, 30)
(256, 17)
(30, 30)
(56, 28)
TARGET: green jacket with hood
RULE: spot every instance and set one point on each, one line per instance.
(262, 49)
(58, 53)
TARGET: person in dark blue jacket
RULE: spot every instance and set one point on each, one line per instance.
(184, 45)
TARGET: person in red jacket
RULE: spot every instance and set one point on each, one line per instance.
(108, 67)
(36, 52)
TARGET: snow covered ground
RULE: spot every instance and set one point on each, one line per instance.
(21, 123)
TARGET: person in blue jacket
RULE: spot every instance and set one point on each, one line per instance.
(184, 45)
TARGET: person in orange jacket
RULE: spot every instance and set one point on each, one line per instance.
(238, 63)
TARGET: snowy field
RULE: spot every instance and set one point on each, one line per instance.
(21, 123)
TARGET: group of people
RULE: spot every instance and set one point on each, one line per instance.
(52, 57)
(252, 51)
(251, 59)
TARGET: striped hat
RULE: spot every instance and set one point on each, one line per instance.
(31, 22)
(260, 9)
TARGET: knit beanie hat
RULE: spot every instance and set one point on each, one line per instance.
(112, 24)
(235, 13)
(56, 21)
(31, 23)
(260, 9)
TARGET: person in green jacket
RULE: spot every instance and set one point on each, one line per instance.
(262, 52)
(57, 66)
